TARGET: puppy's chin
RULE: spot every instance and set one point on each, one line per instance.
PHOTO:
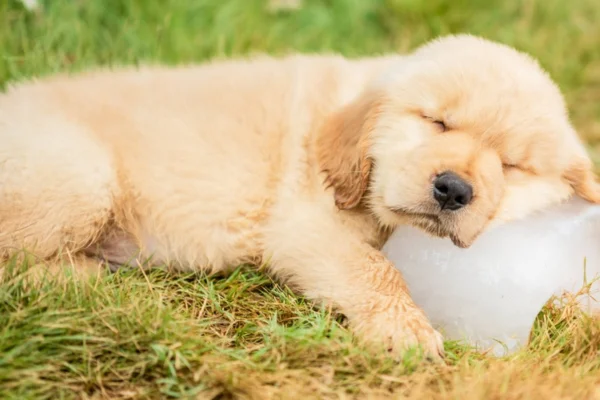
(435, 226)
(458, 242)
(441, 232)
(461, 235)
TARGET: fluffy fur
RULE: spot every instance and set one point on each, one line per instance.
(304, 164)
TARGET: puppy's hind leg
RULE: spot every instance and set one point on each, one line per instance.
(57, 186)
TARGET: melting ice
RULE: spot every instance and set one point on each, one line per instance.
(490, 293)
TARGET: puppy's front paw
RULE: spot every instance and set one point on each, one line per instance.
(398, 327)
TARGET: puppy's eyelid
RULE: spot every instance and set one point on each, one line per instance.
(524, 169)
(510, 166)
(440, 124)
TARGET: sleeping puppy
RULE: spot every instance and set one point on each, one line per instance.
(304, 164)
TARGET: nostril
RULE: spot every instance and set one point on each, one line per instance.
(460, 200)
(441, 187)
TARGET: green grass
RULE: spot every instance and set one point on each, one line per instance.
(157, 335)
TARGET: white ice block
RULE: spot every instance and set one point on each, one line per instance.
(490, 293)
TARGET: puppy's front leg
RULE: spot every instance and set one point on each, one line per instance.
(359, 281)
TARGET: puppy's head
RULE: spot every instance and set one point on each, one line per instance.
(462, 134)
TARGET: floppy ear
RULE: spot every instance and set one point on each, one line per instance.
(342, 149)
(580, 174)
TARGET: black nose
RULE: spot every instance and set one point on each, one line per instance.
(451, 191)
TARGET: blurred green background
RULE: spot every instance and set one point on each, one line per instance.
(71, 34)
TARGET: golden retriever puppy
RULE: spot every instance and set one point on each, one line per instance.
(304, 164)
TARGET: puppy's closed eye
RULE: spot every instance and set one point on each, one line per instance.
(510, 166)
(522, 169)
(439, 124)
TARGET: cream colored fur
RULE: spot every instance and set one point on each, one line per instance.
(303, 163)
